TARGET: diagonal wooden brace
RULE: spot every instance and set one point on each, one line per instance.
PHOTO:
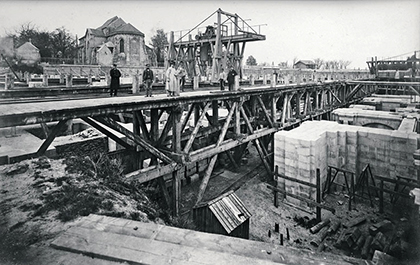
(210, 167)
(143, 143)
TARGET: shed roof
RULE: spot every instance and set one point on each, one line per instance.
(28, 46)
(307, 62)
(229, 210)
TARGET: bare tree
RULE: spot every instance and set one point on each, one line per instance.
(295, 59)
(318, 62)
(346, 63)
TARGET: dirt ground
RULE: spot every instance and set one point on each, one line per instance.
(259, 199)
(34, 208)
(25, 236)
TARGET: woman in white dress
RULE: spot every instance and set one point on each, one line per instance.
(172, 81)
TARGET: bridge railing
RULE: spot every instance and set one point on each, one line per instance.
(6, 81)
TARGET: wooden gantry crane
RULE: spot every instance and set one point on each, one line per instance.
(220, 46)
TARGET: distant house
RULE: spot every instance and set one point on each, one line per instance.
(305, 64)
(225, 215)
(114, 42)
(28, 54)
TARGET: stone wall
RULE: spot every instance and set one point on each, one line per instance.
(319, 144)
(368, 118)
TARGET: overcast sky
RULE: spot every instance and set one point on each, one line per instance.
(331, 30)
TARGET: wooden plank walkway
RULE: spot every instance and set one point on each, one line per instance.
(133, 242)
(36, 112)
(20, 114)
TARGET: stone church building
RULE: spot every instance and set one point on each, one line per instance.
(115, 42)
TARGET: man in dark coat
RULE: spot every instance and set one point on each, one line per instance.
(148, 80)
(231, 78)
(115, 80)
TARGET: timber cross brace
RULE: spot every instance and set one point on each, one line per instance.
(170, 134)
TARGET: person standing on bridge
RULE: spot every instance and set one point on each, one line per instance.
(115, 80)
(148, 80)
(222, 79)
(181, 75)
(231, 78)
(172, 81)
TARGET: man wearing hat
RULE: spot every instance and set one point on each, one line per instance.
(148, 80)
(115, 80)
(231, 78)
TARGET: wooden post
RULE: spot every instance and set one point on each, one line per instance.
(28, 77)
(381, 197)
(237, 120)
(154, 134)
(236, 86)
(318, 194)
(176, 148)
(274, 118)
(107, 79)
(89, 78)
(196, 82)
(215, 110)
(45, 80)
(196, 114)
(276, 194)
(69, 80)
(353, 190)
(136, 131)
(5, 81)
(274, 108)
(135, 84)
(284, 110)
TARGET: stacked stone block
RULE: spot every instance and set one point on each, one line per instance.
(319, 144)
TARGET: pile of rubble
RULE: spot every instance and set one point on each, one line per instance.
(364, 236)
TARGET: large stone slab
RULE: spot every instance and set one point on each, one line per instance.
(389, 153)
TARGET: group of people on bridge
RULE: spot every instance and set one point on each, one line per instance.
(175, 79)
(115, 74)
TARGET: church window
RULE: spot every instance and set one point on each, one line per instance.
(122, 45)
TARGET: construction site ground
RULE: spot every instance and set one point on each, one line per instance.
(25, 236)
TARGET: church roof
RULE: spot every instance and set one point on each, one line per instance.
(113, 26)
(96, 32)
(126, 29)
(114, 22)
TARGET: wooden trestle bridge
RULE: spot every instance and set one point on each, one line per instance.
(254, 114)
